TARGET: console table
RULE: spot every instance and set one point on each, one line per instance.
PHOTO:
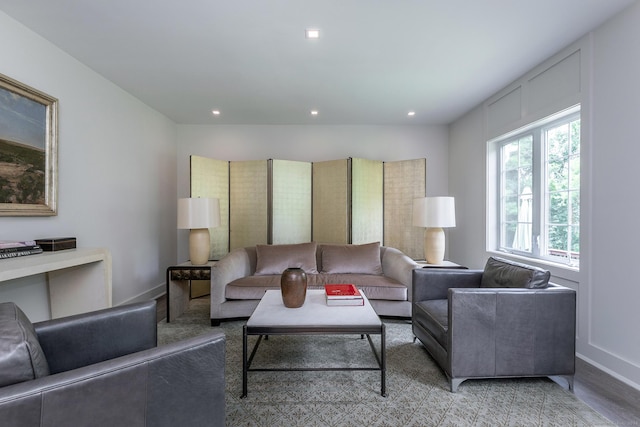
(78, 280)
(179, 279)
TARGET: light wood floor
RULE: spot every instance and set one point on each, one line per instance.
(612, 398)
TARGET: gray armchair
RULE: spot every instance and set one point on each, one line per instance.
(104, 369)
(503, 321)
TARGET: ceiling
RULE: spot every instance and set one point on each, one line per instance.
(375, 60)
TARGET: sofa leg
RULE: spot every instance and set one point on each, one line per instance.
(215, 322)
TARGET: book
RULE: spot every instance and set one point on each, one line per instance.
(343, 294)
(14, 245)
(345, 301)
(21, 252)
(341, 291)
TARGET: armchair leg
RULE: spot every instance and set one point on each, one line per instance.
(567, 378)
(454, 383)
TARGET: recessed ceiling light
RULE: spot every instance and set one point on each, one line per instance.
(312, 33)
(216, 112)
(411, 113)
(314, 112)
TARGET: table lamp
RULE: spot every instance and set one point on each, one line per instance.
(198, 215)
(434, 213)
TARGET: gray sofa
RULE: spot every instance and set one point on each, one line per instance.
(239, 280)
(104, 369)
(504, 321)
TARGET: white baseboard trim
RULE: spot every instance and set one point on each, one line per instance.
(153, 293)
(609, 371)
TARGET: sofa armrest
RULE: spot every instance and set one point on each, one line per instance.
(398, 266)
(235, 265)
(434, 283)
(176, 384)
(88, 338)
(512, 332)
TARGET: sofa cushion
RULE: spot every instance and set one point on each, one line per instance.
(375, 287)
(502, 273)
(21, 357)
(353, 259)
(274, 259)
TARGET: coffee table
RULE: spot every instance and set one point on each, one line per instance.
(315, 317)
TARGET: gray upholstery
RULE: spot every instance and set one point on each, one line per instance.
(107, 371)
(21, 356)
(236, 289)
(479, 332)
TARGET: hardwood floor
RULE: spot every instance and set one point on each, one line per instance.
(612, 398)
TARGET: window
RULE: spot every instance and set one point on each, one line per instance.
(539, 190)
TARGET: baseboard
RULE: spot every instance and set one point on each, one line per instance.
(153, 293)
(608, 371)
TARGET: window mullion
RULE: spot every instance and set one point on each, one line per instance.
(538, 193)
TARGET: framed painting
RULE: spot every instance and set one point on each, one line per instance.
(28, 150)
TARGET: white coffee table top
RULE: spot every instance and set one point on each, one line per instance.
(314, 316)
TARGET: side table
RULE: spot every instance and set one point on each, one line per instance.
(179, 279)
(444, 264)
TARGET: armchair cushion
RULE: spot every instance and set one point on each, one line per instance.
(274, 259)
(500, 273)
(352, 259)
(21, 357)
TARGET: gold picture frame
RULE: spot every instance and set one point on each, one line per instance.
(28, 150)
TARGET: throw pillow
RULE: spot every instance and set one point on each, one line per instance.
(274, 259)
(356, 259)
(21, 357)
(502, 273)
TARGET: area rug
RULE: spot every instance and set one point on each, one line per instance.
(417, 390)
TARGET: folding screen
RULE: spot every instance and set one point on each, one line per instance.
(248, 207)
(290, 207)
(210, 178)
(367, 202)
(331, 201)
(338, 201)
(403, 181)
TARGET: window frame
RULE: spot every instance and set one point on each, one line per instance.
(495, 231)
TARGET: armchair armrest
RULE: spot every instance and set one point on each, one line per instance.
(181, 383)
(512, 331)
(434, 283)
(84, 339)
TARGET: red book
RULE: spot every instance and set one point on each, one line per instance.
(342, 291)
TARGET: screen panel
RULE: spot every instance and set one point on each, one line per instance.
(291, 201)
(403, 181)
(367, 201)
(248, 207)
(330, 208)
(210, 178)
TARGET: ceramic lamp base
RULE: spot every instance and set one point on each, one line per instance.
(199, 246)
(434, 245)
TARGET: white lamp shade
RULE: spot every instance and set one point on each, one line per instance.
(198, 213)
(434, 212)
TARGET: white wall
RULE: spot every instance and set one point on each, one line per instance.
(313, 143)
(117, 172)
(608, 292)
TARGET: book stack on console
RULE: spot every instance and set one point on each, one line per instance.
(343, 294)
(12, 249)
